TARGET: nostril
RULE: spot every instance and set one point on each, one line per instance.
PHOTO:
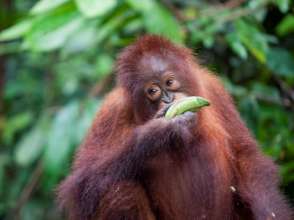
(167, 98)
(166, 101)
(171, 98)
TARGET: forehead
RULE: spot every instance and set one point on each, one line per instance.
(154, 63)
(151, 65)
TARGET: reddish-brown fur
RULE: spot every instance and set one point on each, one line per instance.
(131, 166)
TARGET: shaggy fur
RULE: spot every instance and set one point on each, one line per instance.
(134, 166)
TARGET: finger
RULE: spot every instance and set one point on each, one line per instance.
(189, 114)
(186, 119)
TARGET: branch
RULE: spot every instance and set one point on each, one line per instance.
(27, 191)
(235, 14)
(212, 11)
(286, 92)
(177, 13)
(101, 86)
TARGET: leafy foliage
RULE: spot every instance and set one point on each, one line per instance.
(57, 58)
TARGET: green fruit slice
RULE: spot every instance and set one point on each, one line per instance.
(191, 103)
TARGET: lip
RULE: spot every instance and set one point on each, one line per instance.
(166, 107)
(163, 110)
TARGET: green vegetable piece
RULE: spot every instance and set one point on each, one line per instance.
(192, 103)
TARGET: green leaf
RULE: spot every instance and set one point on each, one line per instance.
(55, 39)
(141, 5)
(236, 45)
(104, 65)
(283, 5)
(286, 25)
(49, 32)
(46, 5)
(15, 124)
(253, 39)
(32, 144)
(60, 139)
(16, 31)
(281, 62)
(158, 20)
(133, 25)
(113, 24)
(93, 8)
(82, 39)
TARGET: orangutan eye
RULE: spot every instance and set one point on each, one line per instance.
(153, 92)
(172, 84)
(169, 82)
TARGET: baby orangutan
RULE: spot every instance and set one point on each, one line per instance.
(136, 164)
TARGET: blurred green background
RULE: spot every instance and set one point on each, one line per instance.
(56, 62)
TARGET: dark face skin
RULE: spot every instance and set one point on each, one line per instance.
(163, 91)
(162, 84)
